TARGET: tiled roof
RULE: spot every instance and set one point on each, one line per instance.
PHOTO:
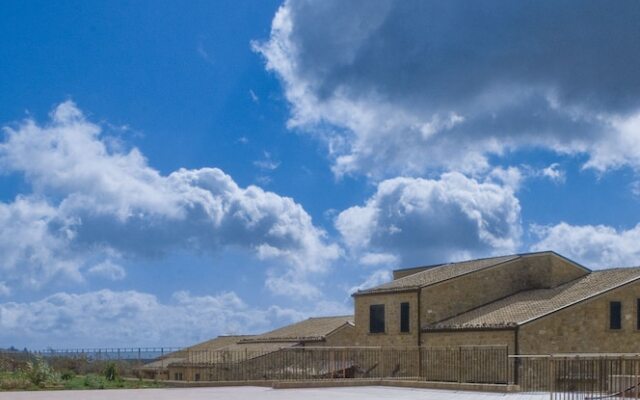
(219, 342)
(312, 329)
(532, 304)
(162, 362)
(181, 355)
(437, 274)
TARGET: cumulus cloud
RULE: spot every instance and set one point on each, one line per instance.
(375, 279)
(5, 290)
(109, 270)
(595, 246)
(419, 220)
(371, 259)
(403, 86)
(132, 318)
(93, 202)
(128, 318)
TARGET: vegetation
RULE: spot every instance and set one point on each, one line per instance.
(37, 374)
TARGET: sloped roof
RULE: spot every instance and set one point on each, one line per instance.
(312, 329)
(438, 273)
(162, 363)
(529, 305)
(217, 343)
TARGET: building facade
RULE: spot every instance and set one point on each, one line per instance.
(535, 303)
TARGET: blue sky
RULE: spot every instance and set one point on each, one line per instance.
(173, 171)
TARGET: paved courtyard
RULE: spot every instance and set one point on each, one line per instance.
(258, 393)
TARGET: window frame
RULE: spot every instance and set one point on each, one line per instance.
(405, 317)
(638, 314)
(615, 310)
(376, 321)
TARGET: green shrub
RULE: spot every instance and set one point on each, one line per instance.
(39, 373)
(67, 375)
(111, 372)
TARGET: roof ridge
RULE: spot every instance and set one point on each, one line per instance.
(329, 316)
(444, 264)
(381, 289)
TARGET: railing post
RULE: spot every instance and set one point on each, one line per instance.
(459, 364)
(551, 377)
(420, 362)
(635, 372)
(381, 355)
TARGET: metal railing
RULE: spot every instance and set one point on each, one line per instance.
(563, 376)
(580, 376)
(460, 364)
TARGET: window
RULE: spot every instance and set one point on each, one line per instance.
(638, 314)
(404, 317)
(376, 318)
(178, 376)
(615, 315)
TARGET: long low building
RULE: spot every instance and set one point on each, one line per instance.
(532, 303)
(234, 353)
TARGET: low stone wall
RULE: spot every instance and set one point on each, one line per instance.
(353, 383)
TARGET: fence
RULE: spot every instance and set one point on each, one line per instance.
(580, 376)
(461, 364)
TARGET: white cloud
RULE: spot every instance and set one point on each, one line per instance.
(129, 318)
(421, 220)
(254, 96)
(109, 270)
(34, 242)
(90, 202)
(291, 285)
(595, 246)
(204, 54)
(109, 318)
(635, 188)
(375, 279)
(554, 173)
(5, 290)
(511, 177)
(378, 259)
(267, 162)
(403, 87)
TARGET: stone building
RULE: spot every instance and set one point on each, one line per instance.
(248, 356)
(536, 303)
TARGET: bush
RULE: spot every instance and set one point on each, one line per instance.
(111, 372)
(14, 382)
(39, 373)
(67, 375)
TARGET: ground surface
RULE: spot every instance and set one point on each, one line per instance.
(245, 393)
